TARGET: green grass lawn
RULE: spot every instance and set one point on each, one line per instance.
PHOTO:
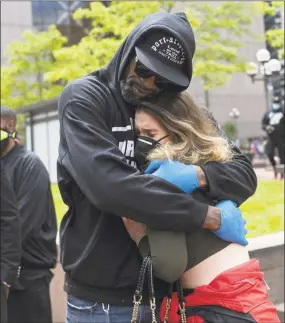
(60, 207)
(264, 211)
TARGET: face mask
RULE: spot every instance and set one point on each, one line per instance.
(4, 137)
(144, 145)
(275, 106)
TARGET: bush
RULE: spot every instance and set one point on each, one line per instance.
(230, 130)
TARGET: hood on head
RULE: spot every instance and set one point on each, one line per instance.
(175, 24)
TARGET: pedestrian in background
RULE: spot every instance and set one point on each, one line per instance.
(274, 126)
(29, 298)
(10, 240)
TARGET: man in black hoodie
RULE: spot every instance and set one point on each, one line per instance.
(10, 240)
(29, 299)
(99, 181)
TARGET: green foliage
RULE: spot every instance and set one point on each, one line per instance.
(244, 147)
(275, 37)
(28, 59)
(218, 29)
(230, 129)
(270, 9)
(110, 26)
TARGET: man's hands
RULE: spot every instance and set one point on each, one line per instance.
(136, 230)
(225, 220)
(269, 129)
(232, 226)
(187, 177)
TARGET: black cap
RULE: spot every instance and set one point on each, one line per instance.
(165, 56)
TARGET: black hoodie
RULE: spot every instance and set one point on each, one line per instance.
(31, 185)
(100, 184)
(10, 229)
(275, 119)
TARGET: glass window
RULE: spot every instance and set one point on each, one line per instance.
(28, 139)
(46, 13)
(41, 142)
(53, 137)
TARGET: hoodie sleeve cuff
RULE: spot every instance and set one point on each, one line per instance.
(8, 277)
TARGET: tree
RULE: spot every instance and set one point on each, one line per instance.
(275, 37)
(110, 26)
(218, 30)
(22, 80)
(40, 65)
(230, 129)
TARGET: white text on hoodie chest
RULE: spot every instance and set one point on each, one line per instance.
(125, 137)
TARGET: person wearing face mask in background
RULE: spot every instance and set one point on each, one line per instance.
(10, 239)
(99, 181)
(29, 299)
(273, 124)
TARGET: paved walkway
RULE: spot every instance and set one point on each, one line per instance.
(280, 310)
(264, 173)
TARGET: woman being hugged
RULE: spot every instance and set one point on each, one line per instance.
(220, 283)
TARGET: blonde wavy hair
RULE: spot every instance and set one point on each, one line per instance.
(194, 138)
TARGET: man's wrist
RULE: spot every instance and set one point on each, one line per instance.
(6, 284)
(213, 219)
(201, 177)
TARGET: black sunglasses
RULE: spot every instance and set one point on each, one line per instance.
(144, 72)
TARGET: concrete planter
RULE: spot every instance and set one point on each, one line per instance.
(249, 155)
(269, 250)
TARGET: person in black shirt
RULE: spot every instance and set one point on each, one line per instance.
(29, 299)
(10, 240)
(274, 126)
(99, 180)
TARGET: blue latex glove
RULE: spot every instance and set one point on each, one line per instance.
(179, 174)
(232, 224)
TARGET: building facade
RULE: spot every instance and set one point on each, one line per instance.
(272, 22)
(16, 16)
(42, 133)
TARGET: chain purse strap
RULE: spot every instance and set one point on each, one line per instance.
(146, 269)
(182, 308)
(168, 303)
(138, 292)
(151, 291)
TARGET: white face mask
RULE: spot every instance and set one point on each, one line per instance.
(275, 106)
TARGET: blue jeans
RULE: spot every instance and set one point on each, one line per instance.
(82, 311)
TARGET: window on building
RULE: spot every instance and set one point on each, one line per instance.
(46, 13)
